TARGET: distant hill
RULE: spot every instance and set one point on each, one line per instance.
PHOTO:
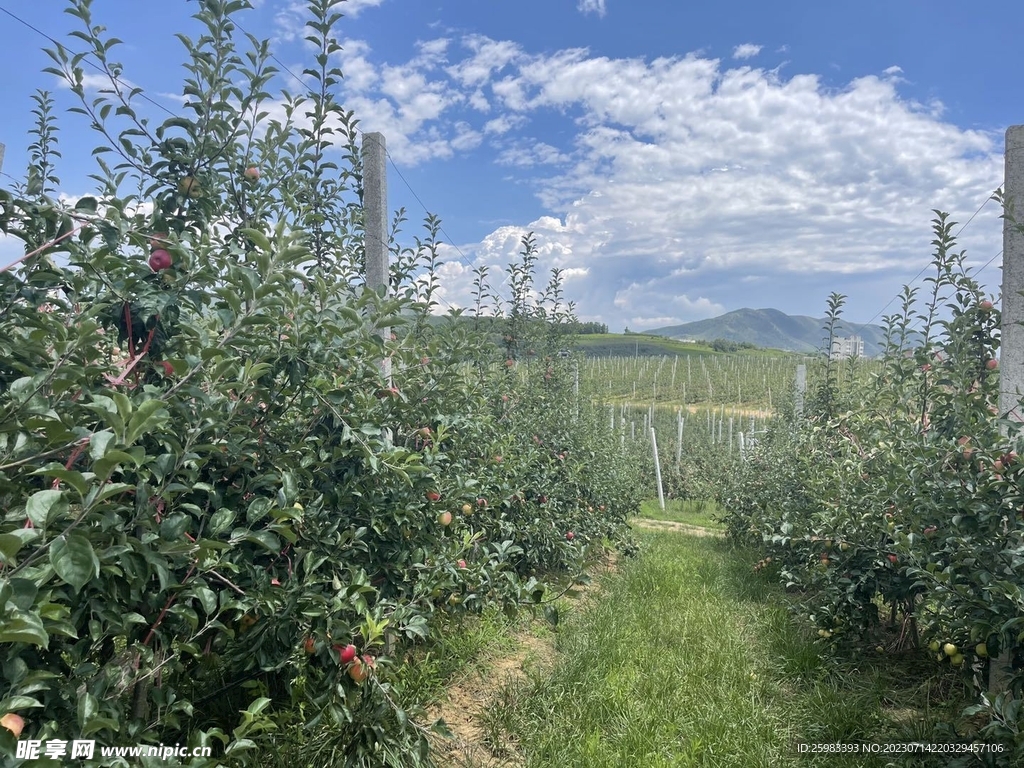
(772, 328)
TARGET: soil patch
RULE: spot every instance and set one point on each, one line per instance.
(669, 525)
(470, 694)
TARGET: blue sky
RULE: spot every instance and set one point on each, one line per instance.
(677, 160)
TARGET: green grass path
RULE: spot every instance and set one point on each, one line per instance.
(687, 658)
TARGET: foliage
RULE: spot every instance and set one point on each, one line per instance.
(902, 496)
(210, 482)
(724, 345)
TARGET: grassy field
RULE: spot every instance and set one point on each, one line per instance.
(699, 513)
(690, 659)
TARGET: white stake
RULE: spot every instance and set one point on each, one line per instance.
(657, 471)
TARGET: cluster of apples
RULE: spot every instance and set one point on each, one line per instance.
(950, 651)
(358, 669)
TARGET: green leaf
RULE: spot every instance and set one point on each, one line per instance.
(74, 560)
(146, 418)
(75, 479)
(14, 703)
(207, 598)
(98, 444)
(221, 521)
(23, 628)
(41, 504)
(108, 463)
(9, 546)
(87, 709)
(258, 238)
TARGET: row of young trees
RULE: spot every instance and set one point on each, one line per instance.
(900, 500)
(222, 523)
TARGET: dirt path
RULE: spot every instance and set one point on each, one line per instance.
(669, 525)
(474, 744)
(469, 696)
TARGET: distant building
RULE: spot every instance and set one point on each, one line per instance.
(847, 346)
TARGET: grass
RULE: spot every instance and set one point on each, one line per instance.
(700, 513)
(690, 659)
(456, 643)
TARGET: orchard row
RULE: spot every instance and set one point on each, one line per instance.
(893, 508)
(224, 522)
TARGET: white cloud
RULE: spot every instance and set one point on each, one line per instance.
(680, 187)
(488, 57)
(290, 19)
(684, 175)
(746, 51)
(591, 6)
(503, 124)
(354, 7)
(526, 155)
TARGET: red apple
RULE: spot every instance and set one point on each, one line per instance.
(462, 563)
(160, 260)
(570, 535)
(346, 654)
(252, 173)
(310, 644)
(445, 518)
(13, 723)
(358, 670)
(992, 364)
(985, 306)
(424, 361)
(433, 496)
(893, 559)
(424, 433)
(481, 502)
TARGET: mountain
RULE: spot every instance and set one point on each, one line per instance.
(774, 329)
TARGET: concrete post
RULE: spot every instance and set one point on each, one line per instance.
(1011, 346)
(801, 389)
(375, 233)
(1, 157)
(375, 221)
